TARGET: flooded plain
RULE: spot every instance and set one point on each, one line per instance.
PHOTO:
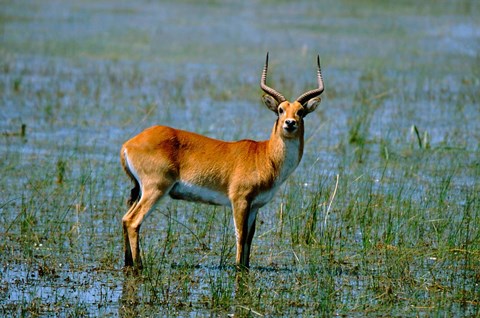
(381, 218)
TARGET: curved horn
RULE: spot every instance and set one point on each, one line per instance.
(305, 97)
(270, 91)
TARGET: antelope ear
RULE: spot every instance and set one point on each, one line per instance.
(311, 105)
(270, 102)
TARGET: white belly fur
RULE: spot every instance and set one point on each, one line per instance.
(194, 193)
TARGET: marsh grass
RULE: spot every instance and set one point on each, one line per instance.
(380, 219)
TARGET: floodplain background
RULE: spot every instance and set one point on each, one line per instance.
(381, 218)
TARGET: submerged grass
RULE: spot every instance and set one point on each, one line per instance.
(380, 219)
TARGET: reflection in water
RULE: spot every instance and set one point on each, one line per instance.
(245, 295)
(242, 299)
(130, 298)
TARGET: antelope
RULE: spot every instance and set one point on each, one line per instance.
(243, 174)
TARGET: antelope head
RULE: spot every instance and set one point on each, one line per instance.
(290, 115)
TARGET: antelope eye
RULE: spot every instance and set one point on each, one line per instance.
(300, 113)
(280, 110)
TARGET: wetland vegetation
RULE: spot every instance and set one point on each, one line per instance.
(381, 218)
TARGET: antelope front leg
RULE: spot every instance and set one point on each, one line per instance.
(252, 216)
(244, 230)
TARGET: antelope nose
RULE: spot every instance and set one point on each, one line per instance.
(290, 122)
